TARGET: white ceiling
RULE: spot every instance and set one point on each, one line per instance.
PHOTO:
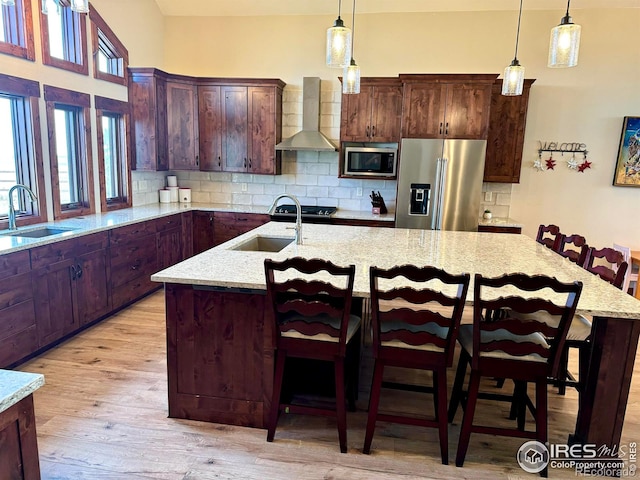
(226, 8)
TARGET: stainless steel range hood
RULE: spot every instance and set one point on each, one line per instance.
(309, 138)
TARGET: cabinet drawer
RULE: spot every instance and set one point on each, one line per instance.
(16, 318)
(14, 263)
(14, 290)
(67, 249)
(18, 346)
(132, 232)
(167, 223)
(133, 259)
(132, 290)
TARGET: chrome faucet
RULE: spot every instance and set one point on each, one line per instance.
(298, 227)
(12, 211)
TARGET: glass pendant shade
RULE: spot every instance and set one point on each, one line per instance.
(46, 6)
(564, 44)
(513, 79)
(351, 78)
(338, 45)
(80, 6)
(8, 3)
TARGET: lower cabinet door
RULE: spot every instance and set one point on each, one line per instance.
(92, 295)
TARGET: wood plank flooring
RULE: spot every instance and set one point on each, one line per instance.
(103, 415)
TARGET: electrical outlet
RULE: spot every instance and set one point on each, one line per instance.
(359, 192)
(487, 196)
(244, 187)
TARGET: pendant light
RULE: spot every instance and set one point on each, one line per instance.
(564, 44)
(79, 6)
(514, 73)
(338, 43)
(8, 3)
(351, 77)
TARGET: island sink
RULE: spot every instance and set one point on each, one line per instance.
(37, 232)
(261, 243)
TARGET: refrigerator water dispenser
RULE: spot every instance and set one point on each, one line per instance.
(419, 200)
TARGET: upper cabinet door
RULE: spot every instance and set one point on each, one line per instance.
(423, 110)
(210, 126)
(234, 129)
(467, 111)
(386, 114)
(182, 126)
(262, 128)
(355, 120)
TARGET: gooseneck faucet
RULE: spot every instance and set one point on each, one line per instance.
(298, 228)
(12, 211)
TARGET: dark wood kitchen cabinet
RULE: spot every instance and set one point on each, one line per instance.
(228, 225)
(508, 119)
(203, 231)
(182, 125)
(70, 285)
(210, 125)
(19, 452)
(373, 115)
(18, 336)
(169, 241)
(446, 106)
(251, 126)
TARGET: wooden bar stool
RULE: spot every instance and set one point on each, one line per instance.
(522, 350)
(311, 304)
(415, 318)
(549, 236)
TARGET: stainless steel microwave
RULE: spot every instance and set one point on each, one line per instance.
(370, 161)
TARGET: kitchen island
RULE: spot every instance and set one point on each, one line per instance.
(220, 346)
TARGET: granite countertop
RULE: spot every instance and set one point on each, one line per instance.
(14, 386)
(499, 222)
(87, 224)
(457, 252)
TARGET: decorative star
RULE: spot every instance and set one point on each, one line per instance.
(537, 164)
(584, 165)
(551, 163)
(573, 164)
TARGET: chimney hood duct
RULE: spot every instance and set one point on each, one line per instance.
(309, 138)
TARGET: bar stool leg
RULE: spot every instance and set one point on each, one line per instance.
(440, 397)
(341, 409)
(467, 419)
(275, 398)
(374, 402)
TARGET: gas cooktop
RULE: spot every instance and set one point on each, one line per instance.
(307, 210)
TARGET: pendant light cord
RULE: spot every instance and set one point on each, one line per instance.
(568, 2)
(353, 27)
(515, 56)
(339, 8)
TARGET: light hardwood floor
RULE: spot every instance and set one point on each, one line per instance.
(103, 415)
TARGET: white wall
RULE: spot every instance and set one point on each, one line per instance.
(584, 104)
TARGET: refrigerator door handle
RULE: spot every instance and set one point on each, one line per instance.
(442, 180)
(436, 197)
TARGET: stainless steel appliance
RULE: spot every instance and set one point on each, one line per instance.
(440, 184)
(310, 213)
(370, 161)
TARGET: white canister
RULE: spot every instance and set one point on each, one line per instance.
(172, 181)
(173, 193)
(165, 196)
(185, 195)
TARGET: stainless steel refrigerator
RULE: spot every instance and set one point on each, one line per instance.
(440, 184)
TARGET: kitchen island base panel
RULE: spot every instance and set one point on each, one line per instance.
(18, 442)
(606, 392)
(219, 356)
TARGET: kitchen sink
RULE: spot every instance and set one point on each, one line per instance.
(260, 243)
(40, 232)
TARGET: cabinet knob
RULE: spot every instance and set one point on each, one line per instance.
(367, 131)
(245, 163)
(373, 131)
(73, 272)
(219, 161)
(446, 128)
(249, 164)
(440, 128)
(79, 271)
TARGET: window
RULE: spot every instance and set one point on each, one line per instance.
(64, 37)
(21, 152)
(70, 151)
(113, 159)
(111, 59)
(16, 27)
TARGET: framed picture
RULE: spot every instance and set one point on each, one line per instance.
(627, 173)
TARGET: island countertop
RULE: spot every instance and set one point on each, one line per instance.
(490, 254)
(14, 386)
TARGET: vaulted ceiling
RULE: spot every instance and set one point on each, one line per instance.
(330, 7)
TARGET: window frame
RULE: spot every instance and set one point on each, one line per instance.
(76, 43)
(21, 15)
(30, 90)
(98, 25)
(109, 106)
(59, 96)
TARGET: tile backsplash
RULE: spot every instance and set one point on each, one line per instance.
(311, 176)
